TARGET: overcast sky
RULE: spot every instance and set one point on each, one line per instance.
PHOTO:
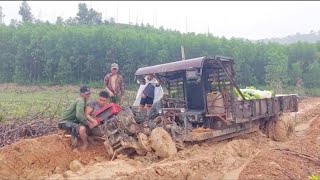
(246, 19)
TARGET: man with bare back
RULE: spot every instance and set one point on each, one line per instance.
(114, 84)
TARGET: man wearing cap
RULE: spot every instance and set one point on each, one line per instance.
(73, 120)
(114, 84)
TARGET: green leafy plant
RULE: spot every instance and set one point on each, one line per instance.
(314, 177)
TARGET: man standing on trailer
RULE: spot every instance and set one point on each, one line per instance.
(148, 93)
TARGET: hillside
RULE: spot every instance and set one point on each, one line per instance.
(311, 37)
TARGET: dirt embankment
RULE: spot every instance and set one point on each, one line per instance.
(40, 157)
(297, 159)
(201, 161)
(49, 157)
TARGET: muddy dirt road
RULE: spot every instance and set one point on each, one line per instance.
(251, 156)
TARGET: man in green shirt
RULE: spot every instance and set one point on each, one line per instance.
(73, 120)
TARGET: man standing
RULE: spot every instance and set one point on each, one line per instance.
(114, 84)
(148, 93)
(73, 120)
(147, 96)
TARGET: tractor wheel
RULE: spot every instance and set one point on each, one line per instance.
(108, 147)
(162, 143)
(143, 144)
(270, 128)
(278, 129)
(180, 145)
(283, 129)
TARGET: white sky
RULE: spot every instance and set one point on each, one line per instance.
(246, 19)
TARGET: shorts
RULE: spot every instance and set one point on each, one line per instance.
(148, 100)
(73, 129)
(70, 127)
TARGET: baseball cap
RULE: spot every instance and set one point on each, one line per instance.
(85, 90)
(114, 66)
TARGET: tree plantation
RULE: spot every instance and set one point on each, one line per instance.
(81, 49)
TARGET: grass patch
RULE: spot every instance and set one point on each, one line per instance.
(21, 102)
(19, 105)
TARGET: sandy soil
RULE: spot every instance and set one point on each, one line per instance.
(40, 157)
(297, 158)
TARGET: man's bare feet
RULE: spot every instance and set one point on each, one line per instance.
(63, 134)
(84, 146)
(74, 142)
(91, 140)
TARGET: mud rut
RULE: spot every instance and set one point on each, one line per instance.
(251, 156)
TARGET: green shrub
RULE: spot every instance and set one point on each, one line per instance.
(314, 177)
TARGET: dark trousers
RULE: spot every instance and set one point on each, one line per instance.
(70, 127)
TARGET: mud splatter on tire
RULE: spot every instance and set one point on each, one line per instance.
(162, 143)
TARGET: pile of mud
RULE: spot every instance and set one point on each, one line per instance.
(40, 157)
(49, 157)
(203, 161)
(199, 162)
